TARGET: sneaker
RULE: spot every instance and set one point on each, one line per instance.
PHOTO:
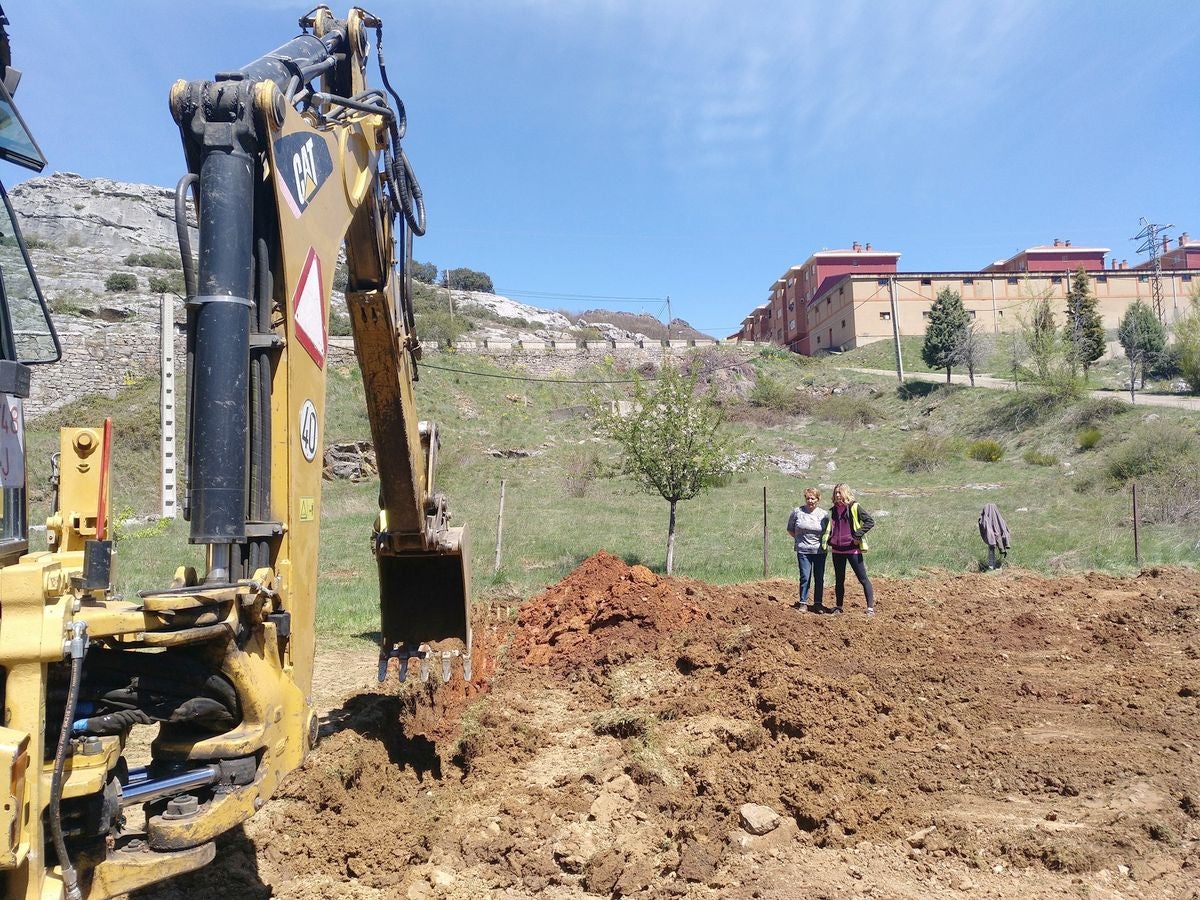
(837, 611)
(871, 612)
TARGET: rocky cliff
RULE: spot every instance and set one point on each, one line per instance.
(81, 231)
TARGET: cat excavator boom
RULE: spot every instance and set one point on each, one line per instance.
(291, 159)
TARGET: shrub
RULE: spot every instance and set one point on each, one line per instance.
(774, 352)
(985, 450)
(1039, 458)
(771, 394)
(33, 242)
(1171, 495)
(339, 323)
(439, 325)
(1152, 450)
(72, 302)
(121, 282)
(424, 271)
(582, 470)
(849, 411)
(1087, 438)
(926, 452)
(167, 284)
(1095, 411)
(464, 279)
(155, 259)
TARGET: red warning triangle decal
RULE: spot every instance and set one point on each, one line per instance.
(308, 309)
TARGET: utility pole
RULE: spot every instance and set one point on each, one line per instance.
(896, 328)
(1151, 236)
(668, 320)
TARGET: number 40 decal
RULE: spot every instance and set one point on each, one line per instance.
(308, 430)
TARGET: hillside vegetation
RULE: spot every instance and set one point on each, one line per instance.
(924, 460)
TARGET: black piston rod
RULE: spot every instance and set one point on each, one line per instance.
(220, 131)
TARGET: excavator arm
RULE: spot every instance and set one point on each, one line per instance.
(290, 159)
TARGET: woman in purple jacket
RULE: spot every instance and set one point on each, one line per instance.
(845, 536)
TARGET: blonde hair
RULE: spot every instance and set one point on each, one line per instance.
(847, 494)
(816, 492)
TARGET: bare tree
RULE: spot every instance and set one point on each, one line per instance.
(971, 350)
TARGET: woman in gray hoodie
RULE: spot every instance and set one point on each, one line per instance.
(806, 524)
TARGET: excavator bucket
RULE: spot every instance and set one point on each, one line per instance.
(423, 601)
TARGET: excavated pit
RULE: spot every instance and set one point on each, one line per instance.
(1005, 735)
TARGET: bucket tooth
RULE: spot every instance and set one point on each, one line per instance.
(403, 673)
(446, 656)
(384, 658)
(424, 669)
(467, 667)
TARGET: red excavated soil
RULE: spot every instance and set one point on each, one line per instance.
(1004, 735)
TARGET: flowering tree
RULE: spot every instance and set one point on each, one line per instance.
(670, 441)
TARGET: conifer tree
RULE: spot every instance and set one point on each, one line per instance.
(1143, 337)
(945, 331)
(1083, 331)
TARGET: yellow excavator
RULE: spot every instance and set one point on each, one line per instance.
(289, 159)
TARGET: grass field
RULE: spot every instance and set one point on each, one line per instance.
(562, 502)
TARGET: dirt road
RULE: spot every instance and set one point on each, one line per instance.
(984, 735)
(1179, 401)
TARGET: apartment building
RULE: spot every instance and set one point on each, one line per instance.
(841, 299)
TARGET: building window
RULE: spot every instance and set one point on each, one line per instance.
(1187, 277)
(1056, 279)
(843, 323)
(1012, 281)
(792, 305)
(841, 290)
(924, 314)
(971, 313)
(968, 281)
(818, 340)
(1102, 279)
(883, 281)
(1000, 313)
(792, 325)
(828, 302)
(1143, 278)
(926, 281)
(885, 316)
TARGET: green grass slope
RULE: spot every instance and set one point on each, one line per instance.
(904, 451)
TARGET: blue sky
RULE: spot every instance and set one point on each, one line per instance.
(645, 148)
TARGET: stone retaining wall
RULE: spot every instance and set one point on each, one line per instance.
(103, 360)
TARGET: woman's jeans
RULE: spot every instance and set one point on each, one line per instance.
(812, 571)
(860, 570)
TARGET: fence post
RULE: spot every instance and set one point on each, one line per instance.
(499, 530)
(764, 531)
(1137, 551)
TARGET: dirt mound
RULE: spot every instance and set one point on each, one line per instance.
(603, 610)
(1004, 735)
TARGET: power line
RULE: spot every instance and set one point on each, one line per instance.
(561, 295)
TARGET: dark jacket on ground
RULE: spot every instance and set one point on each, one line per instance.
(993, 529)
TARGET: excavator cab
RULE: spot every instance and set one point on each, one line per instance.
(27, 336)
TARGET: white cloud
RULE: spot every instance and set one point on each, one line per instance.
(716, 84)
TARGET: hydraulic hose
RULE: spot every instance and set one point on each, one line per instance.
(77, 648)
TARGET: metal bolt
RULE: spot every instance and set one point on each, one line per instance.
(92, 746)
(182, 807)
